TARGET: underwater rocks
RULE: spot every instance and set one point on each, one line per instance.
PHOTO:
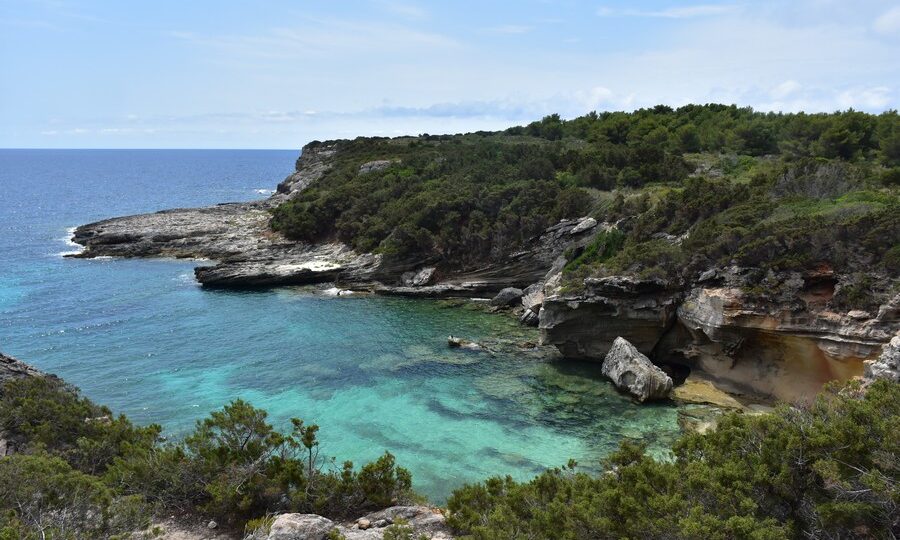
(634, 373)
(460, 343)
(585, 325)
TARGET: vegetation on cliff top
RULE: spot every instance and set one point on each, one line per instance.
(691, 188)
(829, 470)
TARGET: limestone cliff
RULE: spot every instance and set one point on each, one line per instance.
(785, 347)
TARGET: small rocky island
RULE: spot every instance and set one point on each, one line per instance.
(764, 332)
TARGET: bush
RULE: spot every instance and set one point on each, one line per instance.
(48, 415)
(825, 471)
(41, 496)
(235, 466)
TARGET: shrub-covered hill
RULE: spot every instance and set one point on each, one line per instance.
(690, 188)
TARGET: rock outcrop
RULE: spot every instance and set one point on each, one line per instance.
(784, 345)
(887, 365)
(300, 527)
(418, 521)
(585, 325)
(634, 373)
(785, 351)
(248, 254)
(11, 369)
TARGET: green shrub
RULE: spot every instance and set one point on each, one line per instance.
(41, 496)
(825, 471)
(603, 246)
(235, 466)
(49, 415)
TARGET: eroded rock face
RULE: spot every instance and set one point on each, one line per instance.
(887, 365)
(634, 373)
(586, 325)
(777, 350)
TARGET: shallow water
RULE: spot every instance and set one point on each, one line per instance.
(373, 372)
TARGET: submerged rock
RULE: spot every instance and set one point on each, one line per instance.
(701, 391)
(633, 372)
(460, 343)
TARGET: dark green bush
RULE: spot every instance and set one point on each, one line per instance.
(234, 466)
(41, 496)
(829, 470)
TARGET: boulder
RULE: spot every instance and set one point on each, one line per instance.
(507, 297)
(585, 224)
(300, 527)
(635, 373)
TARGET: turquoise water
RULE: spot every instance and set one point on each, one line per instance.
(373, 372)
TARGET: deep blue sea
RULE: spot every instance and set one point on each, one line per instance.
(141, 337)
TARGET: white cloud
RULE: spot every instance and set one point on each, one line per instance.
(888, 23)
(865, 98)
(785, 89)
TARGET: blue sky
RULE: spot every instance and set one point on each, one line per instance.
(277, 74)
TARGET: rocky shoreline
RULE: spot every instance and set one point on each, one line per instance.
(784, 346)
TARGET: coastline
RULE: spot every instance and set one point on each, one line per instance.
(782, 346)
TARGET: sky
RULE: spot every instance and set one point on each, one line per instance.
(277, 73)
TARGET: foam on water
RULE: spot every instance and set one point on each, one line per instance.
(375, 373)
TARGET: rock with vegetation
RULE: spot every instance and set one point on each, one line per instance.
(634, 373)
(793, 215)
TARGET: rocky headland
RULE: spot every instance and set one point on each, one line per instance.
(783, 344)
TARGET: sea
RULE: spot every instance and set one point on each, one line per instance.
(374, 372)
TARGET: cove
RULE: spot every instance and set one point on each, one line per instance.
(374, 372)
